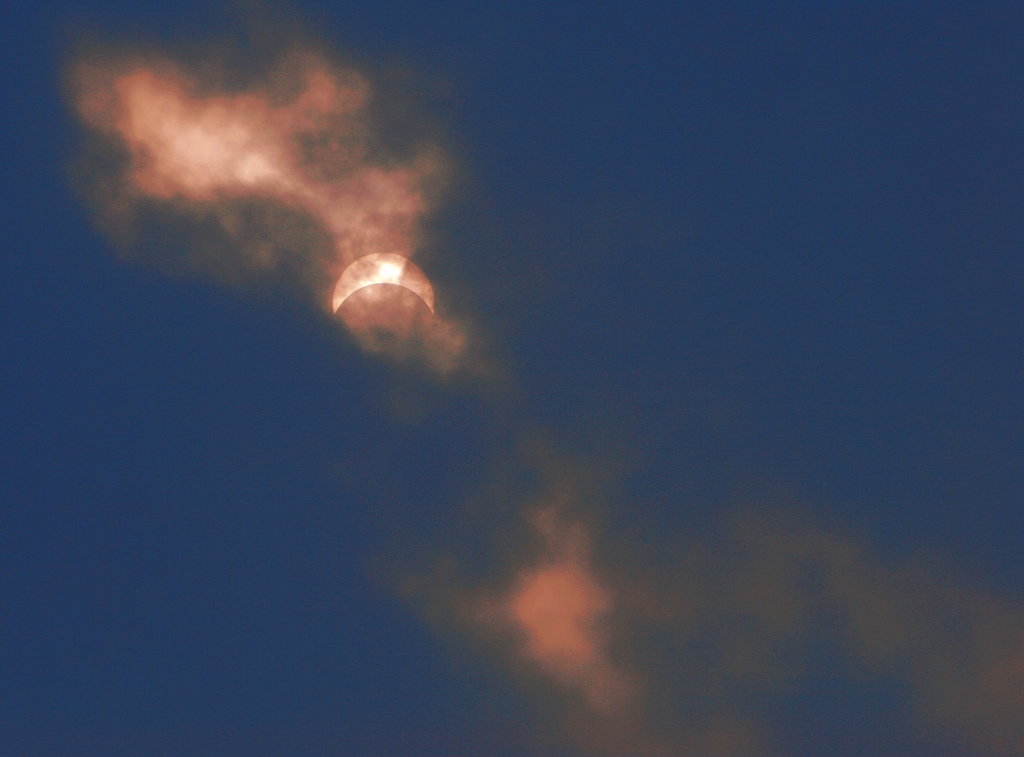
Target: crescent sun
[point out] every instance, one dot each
(383, 268)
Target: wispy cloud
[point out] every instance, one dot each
(683, 644)
(279, 171)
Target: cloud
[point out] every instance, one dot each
(557, 610)
(543, 596)
(275, 172)
(690, 644)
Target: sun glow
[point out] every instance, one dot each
(383, 268)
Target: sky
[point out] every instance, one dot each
(696, 429)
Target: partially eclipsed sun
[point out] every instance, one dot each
(383, 268)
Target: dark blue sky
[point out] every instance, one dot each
(772, 249)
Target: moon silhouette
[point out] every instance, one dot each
(383, 268)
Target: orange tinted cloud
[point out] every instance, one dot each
(686, 644)
(569, 621)
(561, 612)
(299, 141)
